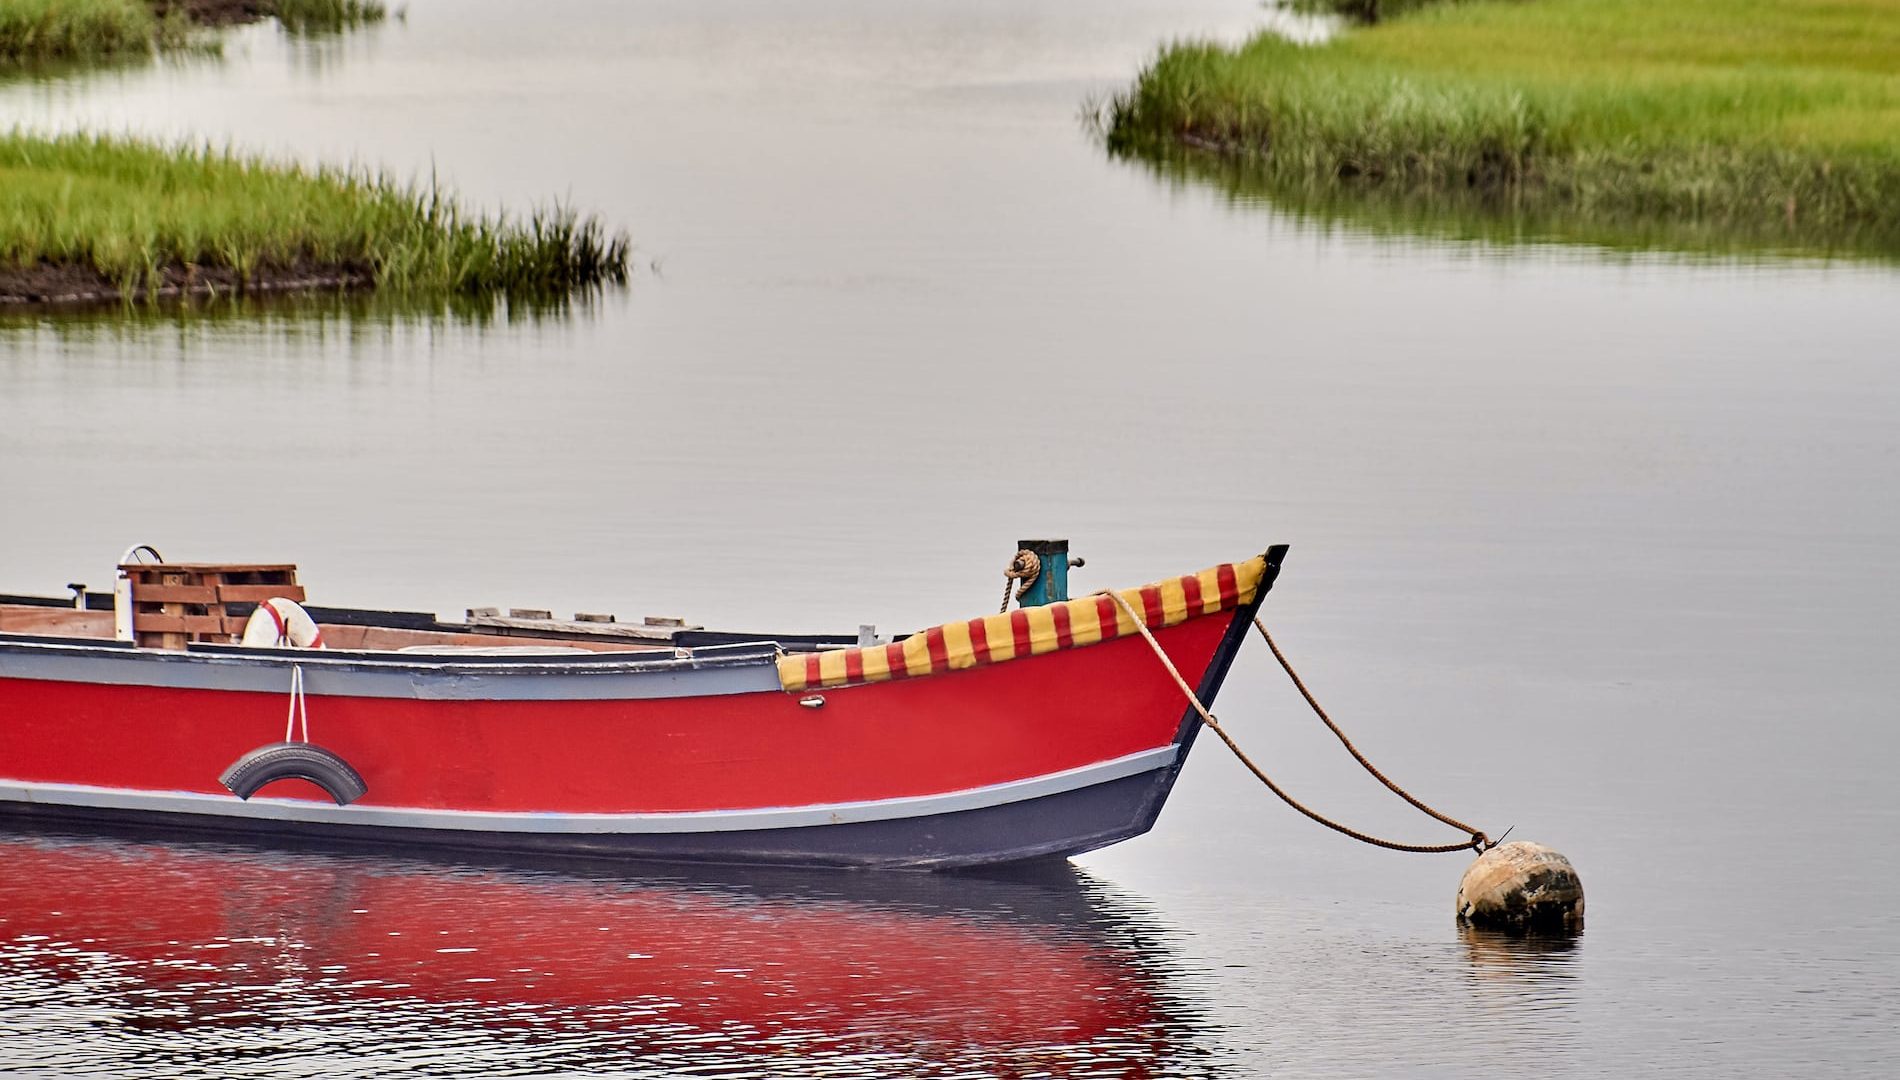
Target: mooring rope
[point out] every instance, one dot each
(1479, 841)
(1476, 834)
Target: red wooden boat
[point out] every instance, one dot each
(1037, 733)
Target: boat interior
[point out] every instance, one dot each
(178, 605)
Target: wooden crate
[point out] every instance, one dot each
(176, 603)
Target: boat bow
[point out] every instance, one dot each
(1034, 631)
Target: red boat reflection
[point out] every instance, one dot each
(921, 965)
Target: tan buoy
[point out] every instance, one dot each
(1521, 886)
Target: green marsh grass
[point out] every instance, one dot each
(1773, 120)
(54, 30)
(139, 216)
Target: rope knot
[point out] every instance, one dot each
(1024, 569)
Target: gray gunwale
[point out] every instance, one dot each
(749, 668)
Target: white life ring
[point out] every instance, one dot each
(280, 623)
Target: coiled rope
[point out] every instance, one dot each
(1479, 842)
(1024, 569)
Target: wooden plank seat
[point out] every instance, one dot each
(174, 604)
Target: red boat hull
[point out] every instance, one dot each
(725, 752)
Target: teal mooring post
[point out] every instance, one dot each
(1053, 583)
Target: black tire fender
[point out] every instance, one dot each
(300, 761)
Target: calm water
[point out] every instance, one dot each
(1597, 546)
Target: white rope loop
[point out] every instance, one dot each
(299, 710)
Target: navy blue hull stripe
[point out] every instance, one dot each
(1050, 826)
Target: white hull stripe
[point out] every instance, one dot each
(784, 817)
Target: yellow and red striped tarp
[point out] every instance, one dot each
(1031, 631)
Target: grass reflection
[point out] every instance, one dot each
(1501, 222)
(305, 316)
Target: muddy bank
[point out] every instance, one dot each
(215, 12)
(48, 283)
